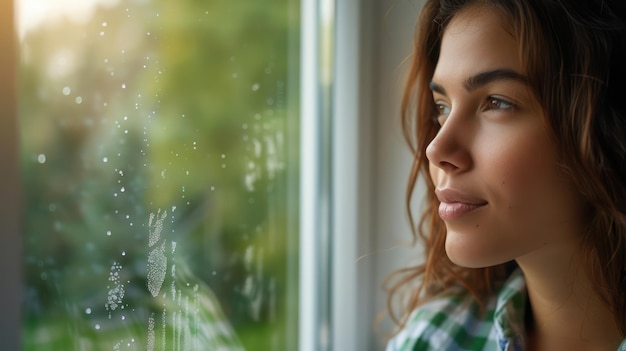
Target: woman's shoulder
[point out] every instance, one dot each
(457, 321)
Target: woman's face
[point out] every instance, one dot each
(493, 162)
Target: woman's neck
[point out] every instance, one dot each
(567, 313)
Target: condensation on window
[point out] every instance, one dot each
(159, 167)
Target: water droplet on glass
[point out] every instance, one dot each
(102, 33)
(123, 253)
(212, 187)
(41, 158)
(88, 310)
(157, 265)
(104, 24)
(255, 86)
(79, 100)
(67, 91)
(123, 189)
(108, 233)
(97, 326)
(105, 159)
(123, 85)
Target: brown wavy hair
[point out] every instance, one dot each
(574, 53)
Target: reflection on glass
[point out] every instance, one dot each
(158, 147)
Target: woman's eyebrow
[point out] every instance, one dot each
(437, 88)
(483, 78)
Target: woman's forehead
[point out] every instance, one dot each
(475, 40)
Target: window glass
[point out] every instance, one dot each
(159, 146)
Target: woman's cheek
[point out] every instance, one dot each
(519, 171)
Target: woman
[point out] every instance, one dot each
(515, 113)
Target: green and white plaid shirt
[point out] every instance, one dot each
(454, 322)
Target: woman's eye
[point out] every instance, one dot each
(493, 103)
(443, 111)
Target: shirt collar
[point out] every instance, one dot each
(509, 313)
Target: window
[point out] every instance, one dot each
(204, 149)
(159, 159)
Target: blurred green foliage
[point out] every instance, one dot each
(181, 107)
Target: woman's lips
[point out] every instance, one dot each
(455, 204)
(453, 210)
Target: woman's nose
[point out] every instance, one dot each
(450, 149)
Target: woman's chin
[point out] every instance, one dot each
(474, 256)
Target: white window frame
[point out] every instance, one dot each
(354, 226)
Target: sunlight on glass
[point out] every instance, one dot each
(159, 157)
